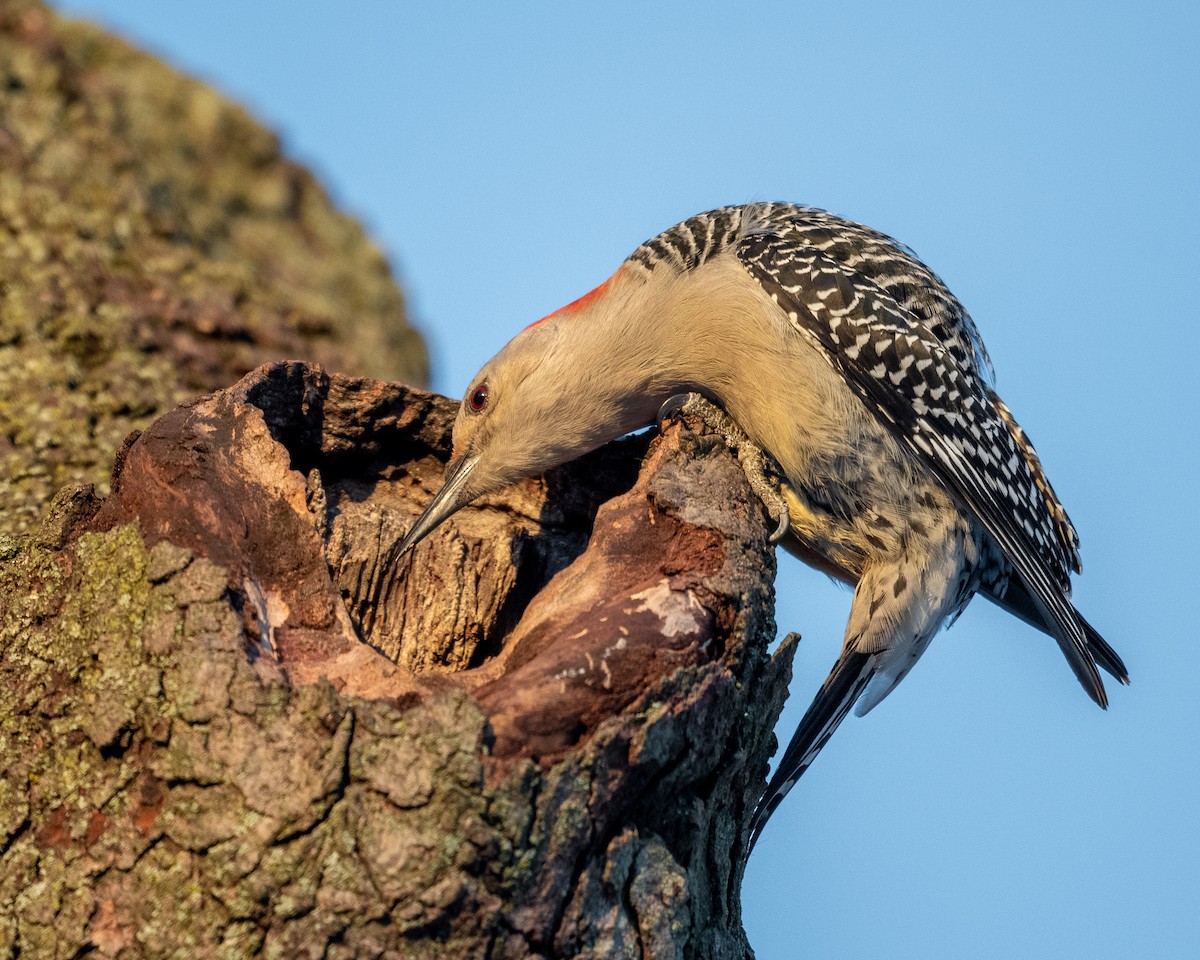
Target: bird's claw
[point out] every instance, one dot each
(761, 472)
(671, 406)
(785, 522)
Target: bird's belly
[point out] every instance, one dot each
(857, 495)
(852, 503)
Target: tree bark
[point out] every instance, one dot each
(234, 724)
(231, 722)
(154, 245)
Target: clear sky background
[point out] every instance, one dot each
(1043, 158)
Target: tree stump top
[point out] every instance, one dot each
(235, 721)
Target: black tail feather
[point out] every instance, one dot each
(1105, 656)
(1018, 601)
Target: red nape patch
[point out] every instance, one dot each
(583, 302)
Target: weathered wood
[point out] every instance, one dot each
(232, 723)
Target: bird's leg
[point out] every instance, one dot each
(762, 472)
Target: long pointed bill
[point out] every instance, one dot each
(447, 501)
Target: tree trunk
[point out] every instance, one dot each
(154, 245)
(233, 722)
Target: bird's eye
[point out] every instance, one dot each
(477, 399)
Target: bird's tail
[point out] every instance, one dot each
(838, 694)
(1017, 600)
(1106, 656)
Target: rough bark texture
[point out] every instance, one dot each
(231, 723)
(545, 747)
(154, 245)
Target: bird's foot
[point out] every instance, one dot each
(762, 472)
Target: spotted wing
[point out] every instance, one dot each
(928, 391)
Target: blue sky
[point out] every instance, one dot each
(1042, 158)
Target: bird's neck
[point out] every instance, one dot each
(714, 331)
(699, 331)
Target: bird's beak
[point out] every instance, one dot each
(447, 501)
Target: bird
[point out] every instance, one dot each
(842, 356)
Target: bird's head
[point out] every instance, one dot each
(559, 389)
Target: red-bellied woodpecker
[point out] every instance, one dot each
(846, 359)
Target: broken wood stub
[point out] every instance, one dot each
(537, 735)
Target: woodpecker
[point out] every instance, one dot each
(846, 359)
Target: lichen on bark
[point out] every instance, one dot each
(178, 806)
(154, 245)
(232, 724)
(206, 759)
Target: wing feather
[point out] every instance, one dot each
(916, 375)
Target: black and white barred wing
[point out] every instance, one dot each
(934, 402)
